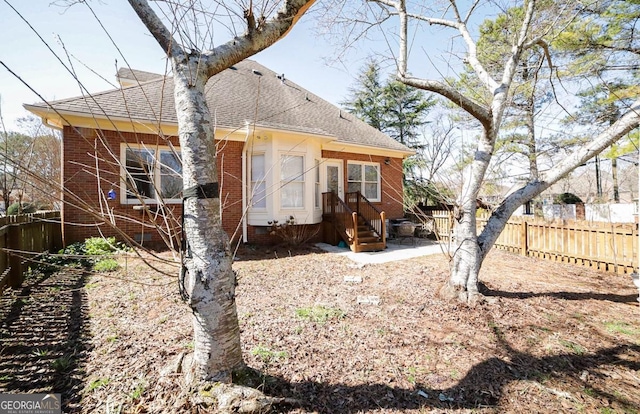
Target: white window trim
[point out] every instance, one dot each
(317, 184)
(303, 180)
(362, 181)
(251, 188)
(156, 174)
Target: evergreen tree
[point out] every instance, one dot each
(399, 111)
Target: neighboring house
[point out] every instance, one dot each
(280, 151)
(582, 182)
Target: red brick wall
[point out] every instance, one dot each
(91, 163)
(82, 213)
(257, 235)
(390, 177)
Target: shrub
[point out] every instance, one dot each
(106, 265)
(83, 254)
(98, 246)
(290, 233)
(27, 208)
(567, 198)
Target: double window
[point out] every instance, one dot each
(364, 177)
(153, 174)
(292, 181)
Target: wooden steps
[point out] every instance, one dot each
(358, 223)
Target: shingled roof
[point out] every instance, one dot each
(128, 77)
(246, 93)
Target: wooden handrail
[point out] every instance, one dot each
(341, 215)
(354, 221)
(346, 216)
(370, 213)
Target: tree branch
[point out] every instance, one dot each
(628, 122)
(516, 51)
(478, 111)
(157, 28)
(242, 47)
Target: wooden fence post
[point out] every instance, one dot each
(15, 261)
(524, 241)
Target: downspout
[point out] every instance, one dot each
(245, 211)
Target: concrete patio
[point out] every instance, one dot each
(396, 250)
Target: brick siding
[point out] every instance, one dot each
(391, 180)
(91, 169)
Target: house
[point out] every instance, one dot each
(282, 152)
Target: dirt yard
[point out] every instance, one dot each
(550, 338)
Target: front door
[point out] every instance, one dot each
(333, 177)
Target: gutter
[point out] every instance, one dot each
(245, 211)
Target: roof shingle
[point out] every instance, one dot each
(236, 96)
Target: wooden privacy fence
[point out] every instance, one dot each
(612, 247)
(22, 238)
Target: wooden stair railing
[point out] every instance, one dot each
(340, 215)
(362, 228)
(372, 217)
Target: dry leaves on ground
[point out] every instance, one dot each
(550, 338)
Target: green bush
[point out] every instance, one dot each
(106, 265)
(85, 255)
(27, 208)
(567, 198)
(98, 246)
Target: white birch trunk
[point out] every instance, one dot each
(210, 283)
(467, 257)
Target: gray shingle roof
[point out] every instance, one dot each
(236, 96)
(136, 75)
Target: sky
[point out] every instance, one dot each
(301, 56)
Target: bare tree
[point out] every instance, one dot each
(35, 149)
(487, 106)
(210, 281)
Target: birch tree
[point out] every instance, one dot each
(487, 107)
(209, 280)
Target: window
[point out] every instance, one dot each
(291, 181)
(317, 195)
(364, 177)
(153, 174)
(258, 184)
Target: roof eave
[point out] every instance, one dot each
(342, 146)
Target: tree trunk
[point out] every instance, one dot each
(467, 255)
(466, 261)
(210, 282)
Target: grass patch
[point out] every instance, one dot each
(106, 265)
(621, 327)
(267, 355)
(98, 383)
(62, 364)
(319, 314)
(411, 375)
(137, 391)
(573, 347)
(499, 334)
(40, 353)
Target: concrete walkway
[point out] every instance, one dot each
(395, 251)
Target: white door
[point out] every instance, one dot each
(333, 177)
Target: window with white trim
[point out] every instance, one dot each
(316, 195)
(364, 177)
(153, 174)
(258, 184)
(291, 181)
